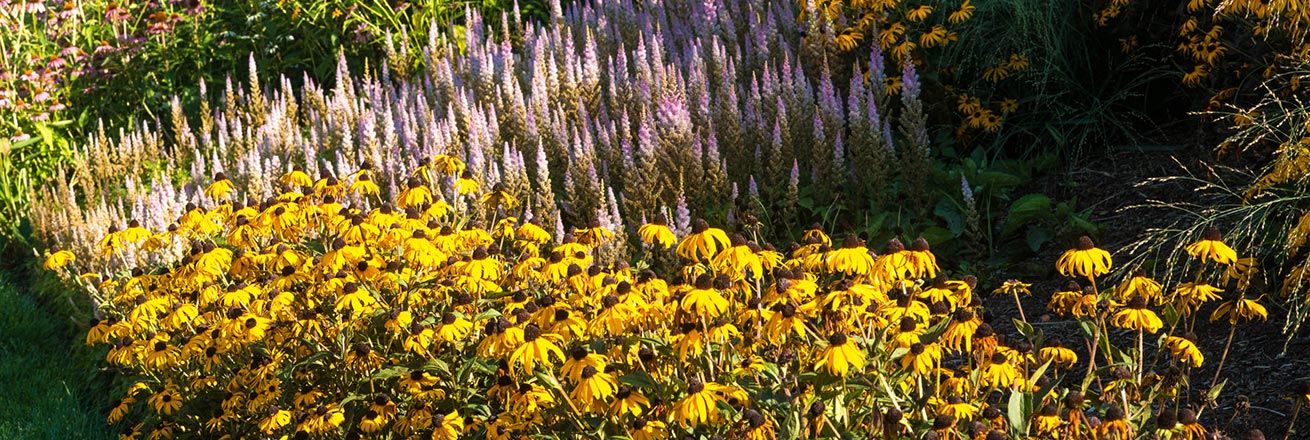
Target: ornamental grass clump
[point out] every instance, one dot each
(298, 314)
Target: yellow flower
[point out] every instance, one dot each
(841, 356)
(594, 235)
(643, 429)
(956, 407)
(657, 233)
(296, 177)
(536, 348)
(532, 232)
(922, 359)
(365, 186)
(919, 13)
(221, 189)
(999, 372)
(962, 15)
(1139, 285)
(1185, 350)
(465, 184)
(1211, 247)
(594, 387)
(923, 264)
(698, 408)
(704, 301)
(499, 197)
(59, 259)
(959, 333)
(703, 242)
(1086, 260)
(627, 402)
(1137, 317)
(167, 401)
(852, 259)
(1240, 310)
(1013, 287)
(1057, 355)
(1188, 297)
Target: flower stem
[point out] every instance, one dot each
(1295, 413)
(1020, 305)
(1224, 357)
(1141, 358)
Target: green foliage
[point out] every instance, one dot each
(1080, 94)
(60, 399)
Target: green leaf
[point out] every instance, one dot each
(1028, 208)
(1014, 411)
(489, 314)
(949, 212)
(1037, 236)
(640, 379)
(1213, 394)
(937, 235)
(996, 180)
(1024, 328)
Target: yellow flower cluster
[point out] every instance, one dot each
(300, 316)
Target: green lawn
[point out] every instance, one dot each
(47, 386)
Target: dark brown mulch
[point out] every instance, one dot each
(1263, 364)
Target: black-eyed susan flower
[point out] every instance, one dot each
(698, 407)
(841, 356)
(119, 408)
(221, 189)
(922, 262)
(643, 429)
(922, 359)
(593, 389)
(1192, 429)
(274, 419)
(758, 427)
(703, 242)
(999, 372)
(1184, 349)
(466, 184)
(852, 259)
(1115, 425)
(1084, 260)
(535, 349)
(498, 198)
(365, 186)
(1137, 317)
(628, 402)
(1062, 301)
(704, 301)
(453, 328)
(1212, 248)
(1139, 285)
(594, 234)
(1059, 356)
(166, 401)
(532, 232)
(58, 260)
(959, 332)
(1240, 309)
